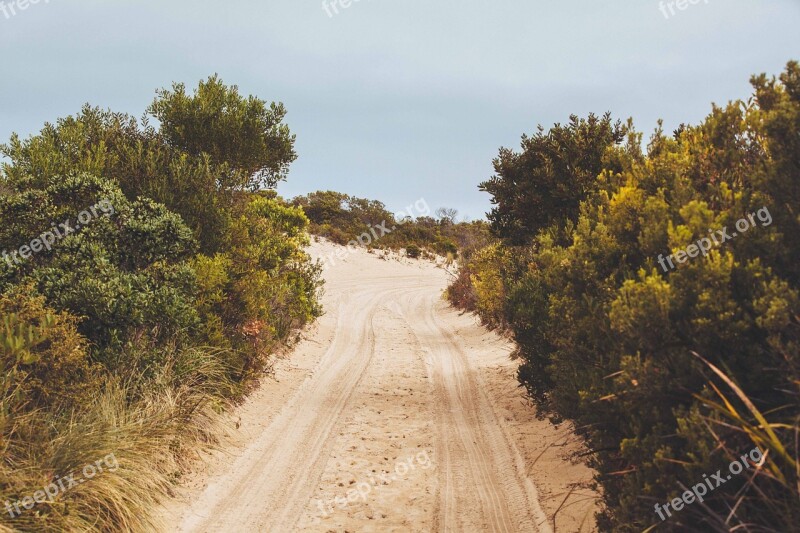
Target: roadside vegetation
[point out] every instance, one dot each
(132, 334)
(342, 219)
(671, 374)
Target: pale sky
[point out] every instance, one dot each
(397, 100)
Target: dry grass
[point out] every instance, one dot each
(152, 428)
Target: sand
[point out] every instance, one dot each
(393, 413)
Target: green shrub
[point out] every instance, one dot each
(610, 339)
(131, 335)
(413, 251)
(344, 219)
(124, 274)
(43, 358)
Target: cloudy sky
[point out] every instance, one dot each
(397, 99)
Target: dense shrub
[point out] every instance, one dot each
(546, 182)
(413, 251)
(123, 273)
(461, 292)
(245, 135)
(671, 373)
(131, 333)
(344, 219)
(43, 358)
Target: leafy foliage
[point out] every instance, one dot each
(608, 337)
(545, 183)
(244, 134)
(131, 333)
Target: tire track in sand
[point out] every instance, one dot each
(479, 484)
(268, 486)
(473, 449)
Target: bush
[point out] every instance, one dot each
(123, 272)
(132, 334)
(43, 358)
(461, 293)
(344, 219)
(672, 373)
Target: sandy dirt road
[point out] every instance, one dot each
(395, 413)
